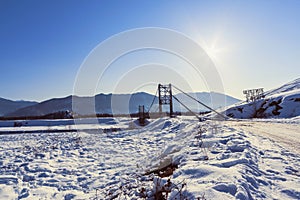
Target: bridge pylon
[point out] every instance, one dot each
(165, 97)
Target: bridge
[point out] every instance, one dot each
(165, 97)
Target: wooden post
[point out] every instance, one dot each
(170, 100)
(159, 99)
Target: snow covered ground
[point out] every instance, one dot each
(247, 159)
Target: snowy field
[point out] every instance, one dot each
(246, 159)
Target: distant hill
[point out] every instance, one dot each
(8, 106)
(117, 104)
(44, 108)
(281, 102)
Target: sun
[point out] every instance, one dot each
(216, 44)
(215, 49)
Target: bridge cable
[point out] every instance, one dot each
(152, 101)
(186, 107)
(223, 116)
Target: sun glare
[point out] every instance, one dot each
(215, 48)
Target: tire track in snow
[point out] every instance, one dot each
(286, 135)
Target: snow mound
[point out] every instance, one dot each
(282, 102)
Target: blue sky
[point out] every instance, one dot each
(43, 43)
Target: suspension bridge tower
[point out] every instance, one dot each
(165, 97)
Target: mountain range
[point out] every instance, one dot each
(112, 104)
(9, 106)
(281, 102)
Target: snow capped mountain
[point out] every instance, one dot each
(7, 106)
(281, 102)
(118, 104)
